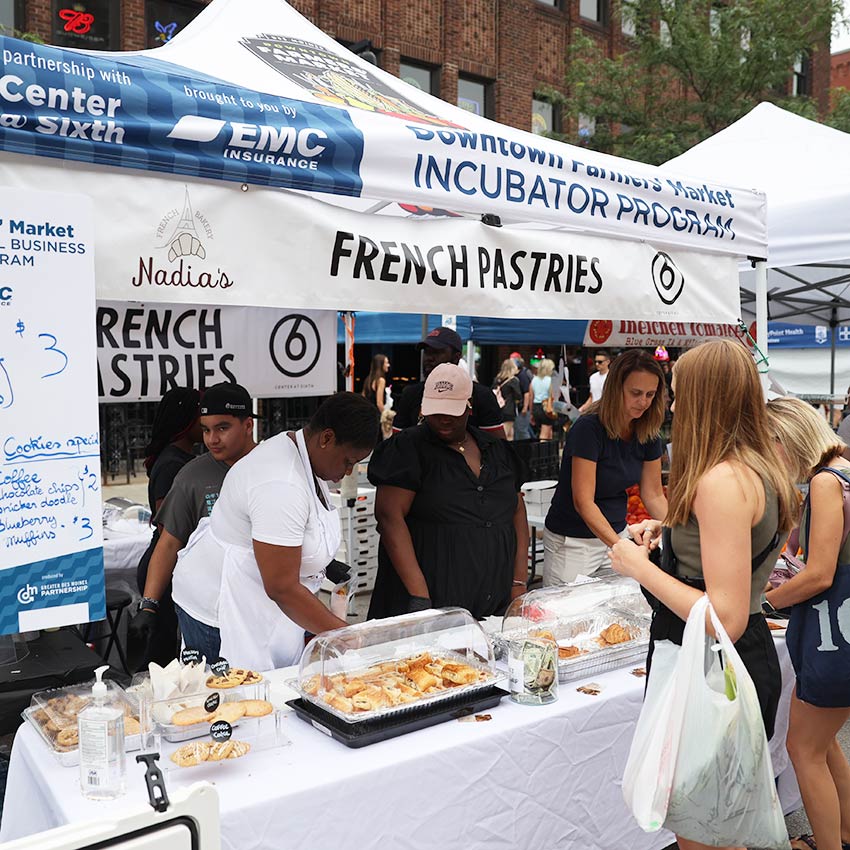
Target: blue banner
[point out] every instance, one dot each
(159, 117)
(785, 335)
(53, 592)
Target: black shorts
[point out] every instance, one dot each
(755, 646)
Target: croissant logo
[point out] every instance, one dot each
(180, 240)
(669, 281)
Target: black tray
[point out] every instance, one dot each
(367, 732)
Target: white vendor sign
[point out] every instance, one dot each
(143, 350)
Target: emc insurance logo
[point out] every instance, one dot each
(5, 296)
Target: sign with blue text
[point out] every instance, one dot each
(51, 538)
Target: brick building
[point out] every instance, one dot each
(492, 57)
(840, 67)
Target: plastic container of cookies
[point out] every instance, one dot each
(398, 665)
(217, 742)
(53, 714)
(599, 625)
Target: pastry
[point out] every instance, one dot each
(422, 679)
(69, 738)
(233, 679)
(229, 711)
(249, 676)
(340, 703)
(240, 748)
(568, 651)
(353, 687)
(191, 754)
(257, 707)
(460, 674)
(613, 635)
(132, 726)
(190, 716)
(220, 750)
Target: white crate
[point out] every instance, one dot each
(539, 493)
(363, 547)
(365, 500)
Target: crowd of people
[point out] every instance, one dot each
(242, 579)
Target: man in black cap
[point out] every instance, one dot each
(227, 423)
(443, 345)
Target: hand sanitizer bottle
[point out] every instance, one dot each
(101, 732)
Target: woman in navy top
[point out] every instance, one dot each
(614, 446)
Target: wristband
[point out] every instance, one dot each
(147, 602)
(766, 605)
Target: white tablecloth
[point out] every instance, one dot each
(532, 778)
(121, 556)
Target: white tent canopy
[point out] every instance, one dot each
(253, 160)
(804, 168)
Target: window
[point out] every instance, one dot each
(92, 25)
(420, 77)
(475, 96)
(801, 83)
(8, 20)
(165, 19)
(592, 10)
(544, 117)
(628, 22)
(555, 3)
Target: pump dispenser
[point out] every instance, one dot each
(101, 732)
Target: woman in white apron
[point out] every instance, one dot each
(278, 530)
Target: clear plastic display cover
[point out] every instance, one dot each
(396, 665)
(599, 625)
(53, 714)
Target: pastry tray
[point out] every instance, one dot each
(71, 757)
(382, 728)
(581, 631)
(408, 708)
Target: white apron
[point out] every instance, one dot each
(255, 633)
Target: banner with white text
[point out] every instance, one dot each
(51, 533)
(253, 93)
(144, 350)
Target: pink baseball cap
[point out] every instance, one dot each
(447, 390)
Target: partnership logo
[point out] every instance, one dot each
(27, 594)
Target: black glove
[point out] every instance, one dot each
(418, 603)
(337, 572)
(140, 632)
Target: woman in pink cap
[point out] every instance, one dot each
(450, 514)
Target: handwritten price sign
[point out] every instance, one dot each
(51, 534)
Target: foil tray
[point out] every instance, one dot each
(411, 708)
(71, 757)
(582, 631)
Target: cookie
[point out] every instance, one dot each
(233, 679)
(229, 711)
(132, 726)
(257, 707)
(69, 738)
(190, 755)
(250, 677)
(240, 748)
(190, 716)
(221, 750)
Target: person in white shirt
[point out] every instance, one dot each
(597, 380)
(278, 530)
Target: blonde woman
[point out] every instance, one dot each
(614, 446)
(539, 391)
(730, 507)
(818, 633)
(507, 384)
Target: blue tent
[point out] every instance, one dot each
(387, 328)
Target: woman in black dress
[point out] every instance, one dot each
(449, 509)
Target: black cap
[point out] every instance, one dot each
(226, 399)
(442, 338)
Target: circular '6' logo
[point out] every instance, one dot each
(667, 278)
(295, 345)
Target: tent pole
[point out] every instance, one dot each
(348, 319)
(761, 317)
(422, 352)
(470, 358)
(833, 326)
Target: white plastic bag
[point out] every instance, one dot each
(722, 792)
(648, 778)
